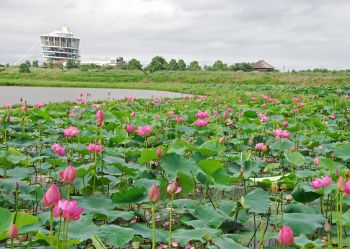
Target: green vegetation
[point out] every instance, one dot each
(198, 82)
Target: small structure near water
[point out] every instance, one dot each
(263, 66)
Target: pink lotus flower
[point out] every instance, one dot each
(229, 110)
(201, 122)
(173, 188)
(72, 131)
(69, 174)
(263, 106)
(52, 196)
(286, 236)
(8, 105)
(39, 105)
(129, 128)
(281, 134)
(154, 193)
(332, 116)
(225, 115)
(253, 98)
(157, 101)
(94, 148)
(100, 116)
(201, 114)
(230, 123)
(347, 188)
(270, 100)
(285, 123)
(301, 104)
(295, 99)
(130, 99)
(264, 97)
(263, 118)
(58, 149)
(133, 114)
(13, 231)
(144, 131)
(260, 146)
(325, 181)
(24, 108)
(317, 161)
(178, 119)
(316, 184)
(68, 210)
(171, 112)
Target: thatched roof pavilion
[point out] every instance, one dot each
(263, 66)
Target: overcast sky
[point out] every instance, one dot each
(294, 33)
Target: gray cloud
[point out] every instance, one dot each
(295, 33)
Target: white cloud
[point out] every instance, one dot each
(294, 33)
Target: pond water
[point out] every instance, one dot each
(33, 95)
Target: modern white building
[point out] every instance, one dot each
(59, 46)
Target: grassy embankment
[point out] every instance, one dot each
(202, 82)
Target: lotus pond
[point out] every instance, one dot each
(253, 170)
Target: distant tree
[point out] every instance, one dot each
(219, 66)
(134, 64)
(70, 64)
(35, 63)
(208, 68)
(24, 68)
(181, 65)
(7, 65)
(28, 63)
(173, 65)
(158, 63)
(194, 66)
(243, 66)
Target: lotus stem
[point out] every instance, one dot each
(153, 226)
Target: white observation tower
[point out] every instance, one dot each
(59, 46)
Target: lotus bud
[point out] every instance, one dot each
(317, 161)
(159, 152)
(250, 142)
(293, 148)
(8, 119)
(17, 186)
(341, 184)
(327, 227)
(154, 194)
(286, 236)
(223, 140)
(274, 187)
(289, 198)
(52, 196)
(13, 231)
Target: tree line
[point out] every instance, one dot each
(158, 63)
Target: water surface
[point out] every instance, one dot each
(33, 95)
